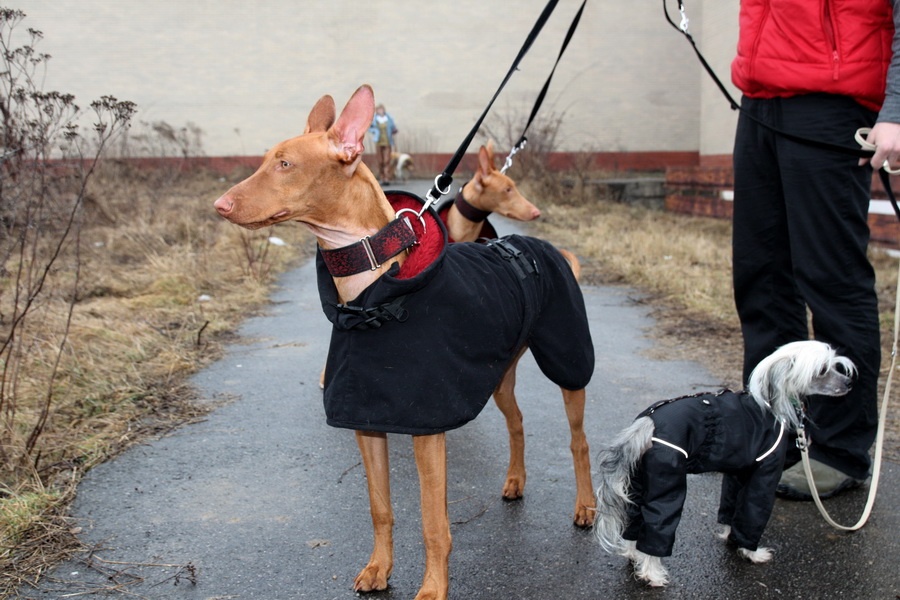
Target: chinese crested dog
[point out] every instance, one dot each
(643, 474)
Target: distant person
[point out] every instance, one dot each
(819, 70)
(383, 130)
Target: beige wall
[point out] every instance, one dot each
(248, 72)
(717, 39)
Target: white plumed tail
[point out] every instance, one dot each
(615, 464)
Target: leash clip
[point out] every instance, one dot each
(515, 149)
(684, 19)
(430, 198)
(802, 442)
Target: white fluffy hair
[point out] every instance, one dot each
(792, 372)
(647, 568)
(758, 556)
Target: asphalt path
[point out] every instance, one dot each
(262, 500)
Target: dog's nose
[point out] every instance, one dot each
(224, 205)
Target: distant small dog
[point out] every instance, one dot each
(643, 474)
(403, 165)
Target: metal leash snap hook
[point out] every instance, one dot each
(802, 443)
(684, 18)
(429, 200)
(418, 215)
(515, 149)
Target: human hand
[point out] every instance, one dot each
(886, 139)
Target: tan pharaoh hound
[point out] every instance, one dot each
(491, 191)
(319, 180)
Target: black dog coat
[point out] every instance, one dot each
(725, 432)
(422, 355)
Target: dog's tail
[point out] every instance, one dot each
(615, 467)
(573, 261)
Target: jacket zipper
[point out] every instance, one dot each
(829, 35)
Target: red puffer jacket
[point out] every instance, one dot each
(791, 47)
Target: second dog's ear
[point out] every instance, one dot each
(485, 161)
(348, 132)
(321, 117)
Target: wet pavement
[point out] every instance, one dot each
(262, 500)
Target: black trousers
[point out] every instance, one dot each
(799, 241)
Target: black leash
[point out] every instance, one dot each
(543, 93)
(443, 181)
(682, 28)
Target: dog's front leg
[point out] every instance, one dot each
(431, 461)
(374, 449)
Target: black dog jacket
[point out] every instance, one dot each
(725, 432)
(422, 354)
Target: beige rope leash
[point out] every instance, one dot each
(865, 131)
(803, 442)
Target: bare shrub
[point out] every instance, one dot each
(47, 161)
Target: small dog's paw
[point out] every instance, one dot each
(760, 555)
(650, 569)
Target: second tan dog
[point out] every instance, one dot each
(491, 191)
(396, 315)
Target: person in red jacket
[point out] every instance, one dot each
(818, 69)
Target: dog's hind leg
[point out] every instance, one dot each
(374, 450)
(585, 501)
(431, 461)
(505, 397)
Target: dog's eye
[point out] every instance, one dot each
(285, 164)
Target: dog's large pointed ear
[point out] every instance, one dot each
(489, 148)
(348, 132)
(321, 117)
(485, 160)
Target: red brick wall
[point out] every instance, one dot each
(698, 191)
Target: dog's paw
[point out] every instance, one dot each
(373, 578)
(650, 569)
(514, 488)
(760, 555)
(584, 515)
(431, 594)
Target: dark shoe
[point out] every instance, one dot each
(829, 482)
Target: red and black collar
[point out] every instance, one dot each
(476, 215)
(370, 252)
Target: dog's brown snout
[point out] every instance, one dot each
(224, 205)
